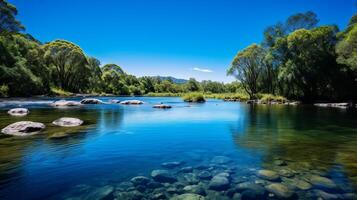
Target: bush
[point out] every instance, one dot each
(60, 92)
(4, 91)
(194, 97)
(267, 98)
(163, 94)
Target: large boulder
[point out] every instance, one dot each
(91, 101)
(131, 102)
(67, 122)
(23, 128)
(64, 103)
(18, 111)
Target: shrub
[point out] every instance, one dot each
(267, 98)
(194, 97)
(4, 91)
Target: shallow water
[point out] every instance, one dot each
(119, 142)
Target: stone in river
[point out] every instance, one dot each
(252, 190)
(322, 182)
(23, 128)
(163, 176)
(170, 165)
(91, 101)
(132, 102)
(195, 189)
(220, 160)
(219, 183)
(162, 106)
(64, 103)
(140, 180)
(99, 193)
(327, 196)
(188, 196)
(280, 190)
(18, 112)
(268, 175)
(67, 122)
(205, 175)
(189, 178)
(286, 173)
(186, 169)
(130, 195)
(279, 162)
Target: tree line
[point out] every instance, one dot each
(300, 60)
(28, 67)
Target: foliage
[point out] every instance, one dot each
(267, 98)
(194, 97)
(4, 91)
(8, 22)
(60, 92)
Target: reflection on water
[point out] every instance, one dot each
(313, 151)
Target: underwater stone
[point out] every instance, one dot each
(186, 169)
(220, 160)
(195, 189)
(140, 180)
(219, 183)
(204, 175)
(171, 165)
(268, 175)
(322, 182)
(163, 176)
(188, 196)
(280, 190)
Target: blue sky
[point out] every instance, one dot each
(181, 38)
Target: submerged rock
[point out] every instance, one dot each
(219, 183)
(171, 165)
(132, 102)
(205, 175)
(163, 176)
(91, 101)
(221, 160)
(140, 180)
(67, 122)
(186, 169)
(322, 182)
(64, 103)
(18, 112)
(130, 195)
(189, 178)
(23, 128)
(162, 106)
(268, 175)
(99, 193)
(188, 196)
(280, 190)
(195, 189)
(250, 190)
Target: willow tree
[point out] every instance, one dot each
(70, 69)
(247, 66)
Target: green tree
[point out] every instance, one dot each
(8, 22)
(247, 66)
(192, 85)
(69, 65)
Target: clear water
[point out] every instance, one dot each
(118, 142)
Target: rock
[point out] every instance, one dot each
(220, 160)
(237, 196)
(219, 183)
(349, 196)
(162, 106)
(171, 165)
(195, 189)
(286, 173)
(189, 178)
(64, 103)
(327, 196)
(124, 186)
(302, 185)
(186, 169)
(114, 101)
(100, 193)
(205, 175)
(140, 180)
(258, 190)
(163, 176)
(280, 190)
(132, 102)
(131, 195)
(23, 128)
(18, 112)
(159, 195)
(188, 196)
(268, 175)
(280, 162)
(67, 122)
(91, 101)
(322, 182)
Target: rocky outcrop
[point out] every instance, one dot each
(23, 128)
(64, 103)
(67, 122)
(18, 112)
(131, 102)
(91, 101)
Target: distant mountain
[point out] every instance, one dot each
(175, 80)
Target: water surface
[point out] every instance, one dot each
(119, 142)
